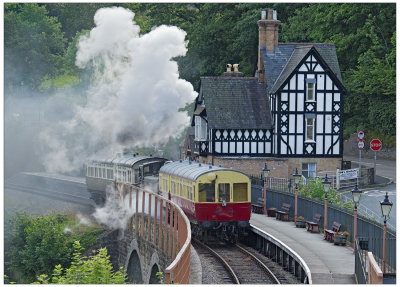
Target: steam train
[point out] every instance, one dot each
(216, 200)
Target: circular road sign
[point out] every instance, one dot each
(361, 145)
(375, 144)
(360, 134)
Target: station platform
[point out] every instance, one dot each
(328, 263)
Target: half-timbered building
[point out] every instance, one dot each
(289, 115)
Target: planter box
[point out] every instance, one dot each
(271, 212)
(300, 223)
(339, 239)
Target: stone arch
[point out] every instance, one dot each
(134, 268)
(153, 268)
(133, 264)
(153, 275)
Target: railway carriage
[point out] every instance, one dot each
(216, 200)
(131, 169)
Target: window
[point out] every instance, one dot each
(200, 128)
(240, 192)
(310, 129)
(207, 192)
(309, 170)
(224, 192)
(310, 92)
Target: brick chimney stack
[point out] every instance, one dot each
(268, 28)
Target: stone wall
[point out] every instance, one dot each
(121, 244)
(280, 167)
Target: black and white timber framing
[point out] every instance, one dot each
(309, 125)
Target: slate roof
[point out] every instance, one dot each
(286, 57)
(235, 103)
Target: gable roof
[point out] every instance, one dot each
(235, 103)
(280, 64)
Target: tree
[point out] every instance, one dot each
(96, 269)
(33, 45)
(38, 243)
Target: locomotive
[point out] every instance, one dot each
(216, 200)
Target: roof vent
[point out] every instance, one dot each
(209, 165)
(199, 164)
(219, 165)
(134, 155)
(180, 160)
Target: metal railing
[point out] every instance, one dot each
(160, 221)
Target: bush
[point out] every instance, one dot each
(38, 243)
(96, 269)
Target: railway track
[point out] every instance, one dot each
(236, 265)
(61, 196)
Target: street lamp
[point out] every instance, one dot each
(386, 206)
(356, 194)
(326, 185)
(265, 173)
(296, 181)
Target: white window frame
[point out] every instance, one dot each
(311, 171)
(309, 126)
(200, 128)
(308, 94)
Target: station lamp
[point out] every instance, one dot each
(386, 206)
(356, 194)
(296, 176)
(265, 171)
(326, 184)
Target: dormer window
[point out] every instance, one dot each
(310, 90)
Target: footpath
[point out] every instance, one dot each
(328, 263)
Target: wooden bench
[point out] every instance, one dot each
(283, 214)
(259, 206)
(313, 226)
(329, 233)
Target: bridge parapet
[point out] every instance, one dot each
(162, 223)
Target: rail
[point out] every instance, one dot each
(173, 234)
(281, 253)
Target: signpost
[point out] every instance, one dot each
(360, 146)
(375, 145)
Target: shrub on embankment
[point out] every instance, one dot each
(38, 243)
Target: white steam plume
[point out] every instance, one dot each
(135, 95)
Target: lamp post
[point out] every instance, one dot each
(265, 173)
(386, 206)
(356, 194)
(326, 185)
(296, 181)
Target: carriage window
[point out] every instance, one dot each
(224, 192)
(207, 192)
(240, 192)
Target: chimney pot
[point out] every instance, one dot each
(263, 15)
(236, 67)
(228, 68)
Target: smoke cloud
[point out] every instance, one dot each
(134, 97)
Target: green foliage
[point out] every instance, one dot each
(315, 190)
(33, 45)
(38, 243)
(96, 269)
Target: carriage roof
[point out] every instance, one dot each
(191, 170)
(129, 160)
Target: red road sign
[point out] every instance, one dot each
(360, 144)
(360, 134)
(375, 144)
